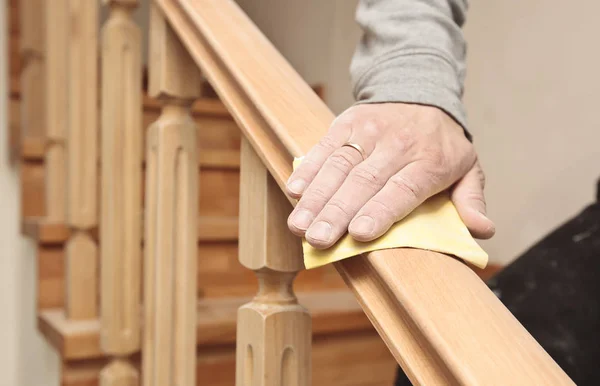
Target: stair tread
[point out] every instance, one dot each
(210, 228)
(332, 311)
(34, 150)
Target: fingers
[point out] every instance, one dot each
(312, 163)
(328, 180)
(338, 191)
(362, 183)
(469, 200)
(342, 130)
(402, 193)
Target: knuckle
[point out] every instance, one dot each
(339, 207)
(313, 200)
(341, 160)
(316, 195)
(372, 126)
(436, 158)
(367, 176)
(307, 167)
(312, 206)
(406, 186)
(434, 176)
(382, 210)
(401, 143)
(435, 170)
(475, 198)
(327, 143)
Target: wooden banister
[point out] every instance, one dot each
(82, 172)
(121, 182)
(273, 330)
(439, 320)
(170, 260)
(33, 72)
(57, 110)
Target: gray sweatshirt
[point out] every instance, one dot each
(411, 51)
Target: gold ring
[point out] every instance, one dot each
(358, 148)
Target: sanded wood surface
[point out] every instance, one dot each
(223, 283)
(170, 261)
(274, 330)
(121, 184)
(283, 118)
(82, 132)
(81, 289)
(33, 68)
(57, 110)
(333, 312)
(81, 276)
(210, 229)
(355, 358)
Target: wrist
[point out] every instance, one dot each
(413, 77)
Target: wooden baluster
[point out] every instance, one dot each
(33, 117)
(169, 351)
(82, 166)
(56, 109)
(121, 184)
(273, 331)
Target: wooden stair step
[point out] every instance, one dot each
(332, 312)
(34, 149)
(210, 228)
(358, 358)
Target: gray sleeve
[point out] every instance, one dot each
(411, 51)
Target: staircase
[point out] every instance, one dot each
(159, 251)
(223, 284)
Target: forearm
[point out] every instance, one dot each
(412, 51)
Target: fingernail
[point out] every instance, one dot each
(321, 231)
(363, 225)
(302, 219)
(297, 186)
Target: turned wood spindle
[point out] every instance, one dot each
(169, 348)
(121, 184)
(82, 161)
(33, 47)
(57, 110)
(273, 331)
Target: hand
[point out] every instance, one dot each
(412, 152)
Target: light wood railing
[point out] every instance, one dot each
(437, 317)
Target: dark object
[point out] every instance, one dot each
(554, 291)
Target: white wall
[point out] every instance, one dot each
(532, 91)
(317, 37)
(25, 358)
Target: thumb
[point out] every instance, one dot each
(469, 201)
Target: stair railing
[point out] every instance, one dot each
(439, 320)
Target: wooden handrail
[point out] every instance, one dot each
(443, 325)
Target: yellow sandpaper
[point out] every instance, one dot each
(435, 225)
